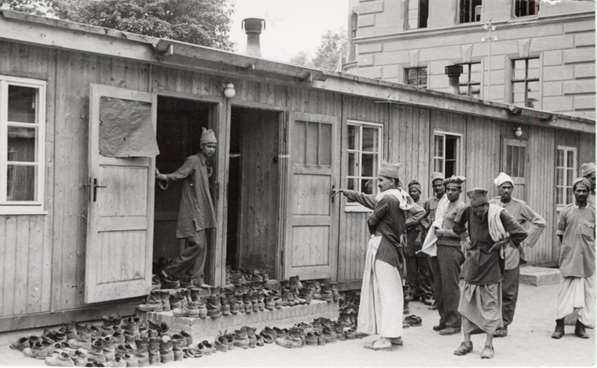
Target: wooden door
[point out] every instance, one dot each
(312, 224)
(121, 193)
(515, 164)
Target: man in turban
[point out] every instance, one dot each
(587, 170)
(418, 276)
(576, 231)
(196, 214)
(490, 228)
(534, 225)
(380, 308)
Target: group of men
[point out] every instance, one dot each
(464, 258)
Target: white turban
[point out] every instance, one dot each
(502, 178)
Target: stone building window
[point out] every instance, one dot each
(565, 174)
(523, 8)
(525, 82)
(470, 80)
(416, 76)
(470, 11)
(423, 13)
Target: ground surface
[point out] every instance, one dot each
(529, 344)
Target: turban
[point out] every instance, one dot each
(416, 185)
(208, 136)
(437, 176)
(581, 181)
(587, 169)
(389, 170)
(478, 196)
(455, 180)
(502, 178)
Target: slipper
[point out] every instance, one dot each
(414, 320)
(379, 344)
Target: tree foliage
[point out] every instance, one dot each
(203, 22)
(328, 55)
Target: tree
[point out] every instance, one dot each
(329, 54)
(203, 22)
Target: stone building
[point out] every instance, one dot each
(534, 53)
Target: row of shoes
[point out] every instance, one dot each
(244, 277)
(319, 332)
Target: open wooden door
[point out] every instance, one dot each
(312, 224)
(121, 193)
(515, 164)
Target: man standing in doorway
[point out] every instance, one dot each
(430, 206)
(576, 231)
(587, 171)
(196, 213)
(490, 228)
(534, 225)
(449, 257)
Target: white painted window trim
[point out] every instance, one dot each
(567, 150)
(457, 150)
(23, 207)
(353, 206)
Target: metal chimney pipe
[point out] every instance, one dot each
(253, 28)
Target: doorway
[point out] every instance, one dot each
(253, 190)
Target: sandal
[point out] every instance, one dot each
(379, 344)
(464, 348)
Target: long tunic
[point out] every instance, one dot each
(530, 220)
(196, 211)
(482, 266)
(576, 225)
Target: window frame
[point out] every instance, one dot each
(526, 80)
(469, 84)
(567, 150)
(354, 206)
(418, 68)
(457, 150)
(458, 18)
(537, 7)
(23, 207)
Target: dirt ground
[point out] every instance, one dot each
(528, 344)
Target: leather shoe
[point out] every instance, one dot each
(439, 327)
(464, 348)
(580, 330)
(559, 331)
(449, 331)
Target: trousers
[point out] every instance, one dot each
(191, 261)
(509, 294)
(445, 269)
(418, 275)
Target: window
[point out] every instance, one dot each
(522, 8)
(470, 80)
(22, 103)
(364, 153)
(445, 153)
(565, 174)
(525, 82)
(416, 76)
(423, 13)
(470, 11)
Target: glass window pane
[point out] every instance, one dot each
(521, 159)
(570, 159)
(353, 167)
(311, 144)
(438, 146)
(21, 144)
(518, 69)
(370, 136)
(368, 186)
(450, 168)
(21, 104)
(351, 184)
(532, 94)
(560, 158)
(369, 164)
(569, 177)
(559, 177)
(352, 136)
(518, 93)
(325, 144)
(20, 183)
(438, 165)
(569, 196)
(533, 71)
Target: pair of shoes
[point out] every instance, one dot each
(379, 344)
(464, 348)
(449, 331)
(559, 331)
(487, 352)
(501, 332)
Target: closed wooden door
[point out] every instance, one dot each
(121, 191)
(515, 164)
(312, 223)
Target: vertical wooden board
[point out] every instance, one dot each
(35, 269)
(10, 265)
(3, 255)
(22, 260)
(483, 153)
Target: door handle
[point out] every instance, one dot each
(95, 186)
(333, 193)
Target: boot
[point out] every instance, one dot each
(580, 331)
(559, 331)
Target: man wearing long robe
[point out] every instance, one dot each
(380, 308)
(196, 213)
(490, 227)
(534, 225)
(576, 231)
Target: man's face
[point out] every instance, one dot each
(453, 192)
(480, 210)
(209, 149)
(438, 187)
(591, 178)
(505, 191)
(384, 183)
(414, 194)
(581, 193)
